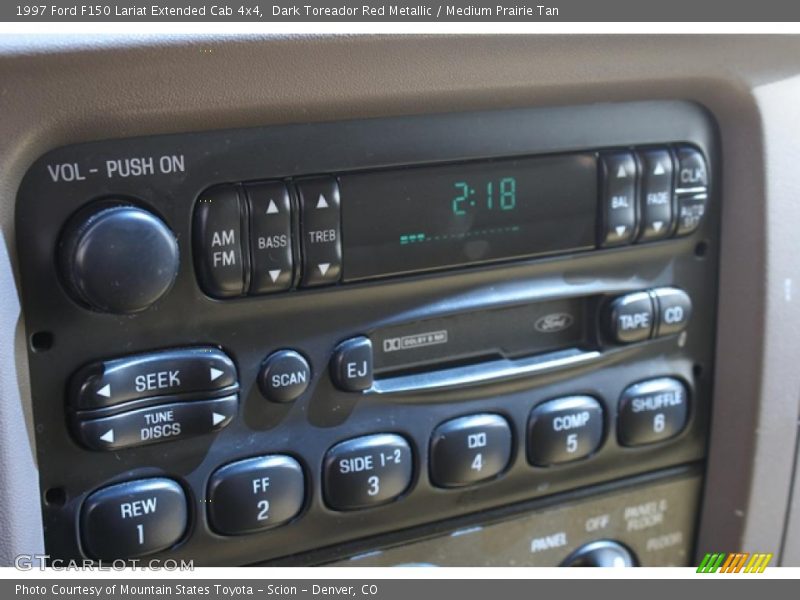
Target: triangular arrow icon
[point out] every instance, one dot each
(620, 229)
(272, 208)
(621, 172)
(215, 373)
(108, 436)
(105, 391)
(217, 418)
(659, 170)
(657, 225)
(323, 268)
(274, 275)
(322, 203)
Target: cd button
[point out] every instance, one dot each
(674, 311)
(618, 209)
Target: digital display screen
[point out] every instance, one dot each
(421, 219)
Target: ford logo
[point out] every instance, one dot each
(553, 322)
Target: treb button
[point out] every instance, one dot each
(218, 242)
(271, 261)
(618, 206)
(320, 225)
(133, 519)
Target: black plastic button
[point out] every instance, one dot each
(255, 494)
(367, 471)
(180, 371)
(161, 423)
(284, 376)
(618, 206)
(652, 411)
(564, 429)
(119, 259)
(469, 449)
(692, 171)
(320, 224)
(630, 318)
(271, 262)
(133, 519)
(691, 210)
(657, 194)
(674, 309)
(351, 365)
(218, 243)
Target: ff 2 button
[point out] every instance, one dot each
(255, 494)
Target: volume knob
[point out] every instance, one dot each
(118, 258)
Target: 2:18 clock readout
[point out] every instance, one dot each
(500, 195)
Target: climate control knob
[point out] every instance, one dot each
(602, 553)
(118, 258)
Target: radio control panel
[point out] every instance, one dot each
(291, 342)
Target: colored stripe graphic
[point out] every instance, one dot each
(734, 562)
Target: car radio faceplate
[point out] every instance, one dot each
(202, 355)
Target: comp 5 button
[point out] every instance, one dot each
(367, 471)
(564, 429)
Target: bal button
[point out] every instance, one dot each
(284, 376)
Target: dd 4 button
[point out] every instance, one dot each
(564, 429)
(255, 494)
(469, 449)
(367, 471)
(652, 411)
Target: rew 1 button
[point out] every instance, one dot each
(564, 429)
(367, 471)
(652, 411)
(469, 449)
(162, 423)
(284, 376)
(255, 494)
(133, 519)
